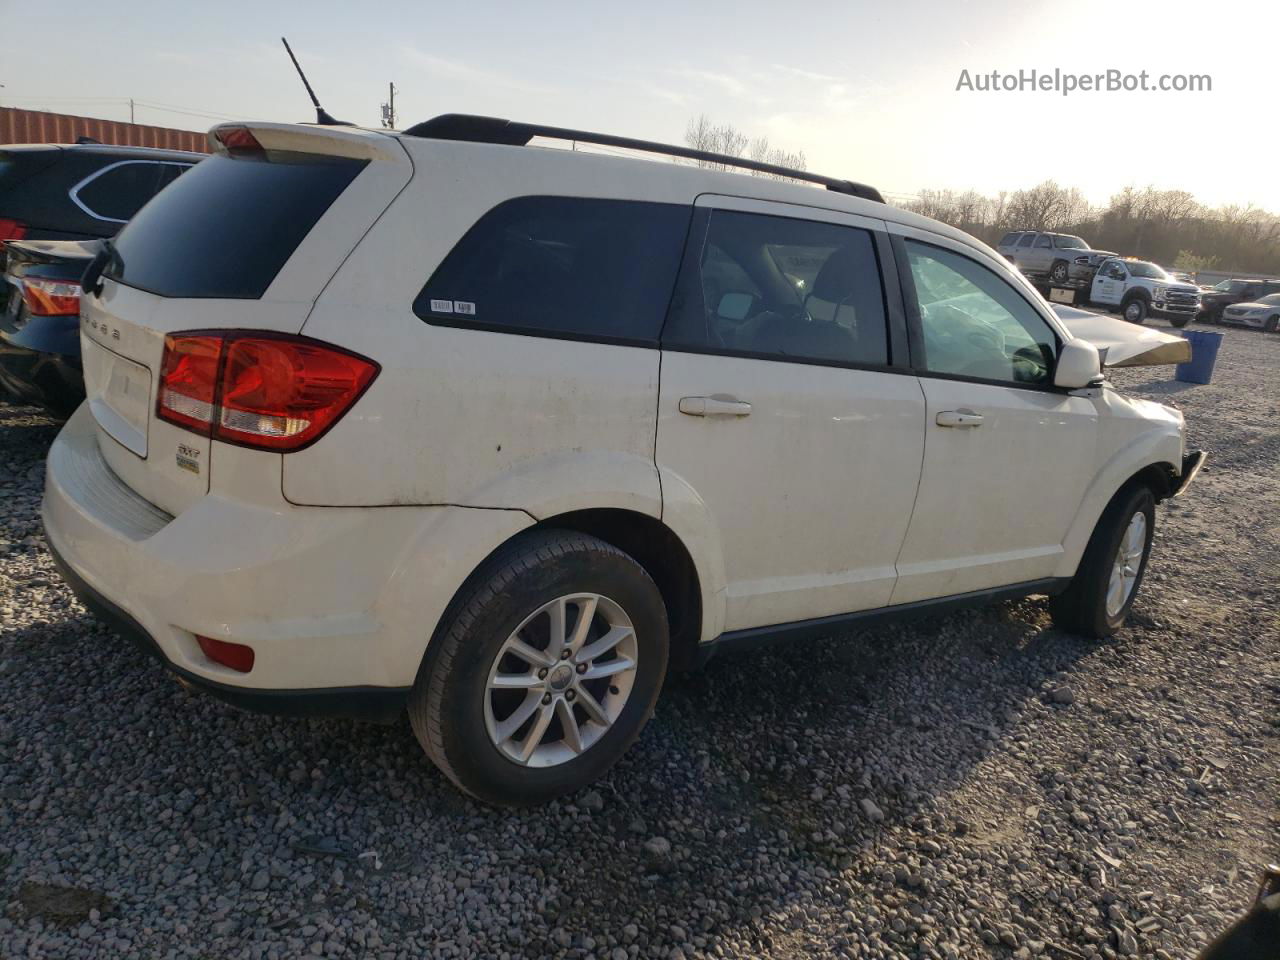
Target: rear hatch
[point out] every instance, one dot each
(245, 241)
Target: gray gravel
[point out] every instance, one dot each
(979, 785)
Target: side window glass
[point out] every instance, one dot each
(569, 266)
(781, 288)
(975, 324)
(119, 192)
(1044, 240)
(1027, 239)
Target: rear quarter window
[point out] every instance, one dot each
(572, 267)
(226, 228)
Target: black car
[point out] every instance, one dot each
(81, 191)
(40, 326)
(1213, 301)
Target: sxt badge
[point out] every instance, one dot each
(188, 458)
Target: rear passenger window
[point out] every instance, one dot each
(118, 192)
(562, 266)
(1044, 240)
(1027, 239)
(781, 289)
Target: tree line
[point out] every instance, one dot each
(1169, 227)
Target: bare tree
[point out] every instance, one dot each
(702, 134)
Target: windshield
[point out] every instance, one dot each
(1140, 268)
(1271, 299)
(1070, 243)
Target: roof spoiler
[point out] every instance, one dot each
(512, 133)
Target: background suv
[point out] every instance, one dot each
(493, 433)
(1059, 256)
(79, 191)
(1216, 300)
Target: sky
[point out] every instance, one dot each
(867, 90)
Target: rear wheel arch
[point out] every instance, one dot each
(648, 541)
(666, 559)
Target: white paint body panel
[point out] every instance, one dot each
(337, 562)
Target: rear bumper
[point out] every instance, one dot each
(1191, 464)
(378, 704)
(305, 587)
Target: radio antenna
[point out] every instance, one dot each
(322, 116)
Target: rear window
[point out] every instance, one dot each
(227, 227)
(562, 266)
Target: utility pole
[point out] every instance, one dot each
(131, 109)
(389, 108)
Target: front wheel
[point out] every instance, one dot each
(1058, 274)
(1135, 311)
(1099, 597)
(1272, 324)
(544, 672)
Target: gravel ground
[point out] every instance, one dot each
(979, 785)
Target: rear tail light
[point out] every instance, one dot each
(237, 656)
(51, 298)
(11, 229)
(266, 391)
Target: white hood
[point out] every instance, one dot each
(1124, 344)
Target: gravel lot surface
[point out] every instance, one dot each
(979, 785)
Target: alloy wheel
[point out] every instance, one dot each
(560, 680)
(1128, 561)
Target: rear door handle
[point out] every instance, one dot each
(964, 419)
(714, 407)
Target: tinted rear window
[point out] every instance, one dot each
(227, 227)
(562, 266)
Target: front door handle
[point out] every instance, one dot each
(964, 419)
(714, 407)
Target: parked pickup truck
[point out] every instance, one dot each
(1139, 288)
(1058, 256)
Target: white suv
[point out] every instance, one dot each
(499, 434)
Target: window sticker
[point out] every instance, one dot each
(442, 306)
(464, 307)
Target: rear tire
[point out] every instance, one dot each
(499, 655)
(1179, 320)
(1094, 604)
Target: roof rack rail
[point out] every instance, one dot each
(477, 129)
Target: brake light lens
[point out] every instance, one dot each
(188, 378)
(265, 391)
(51, 298)
(238, 140)
(11, 229)
(237, 656)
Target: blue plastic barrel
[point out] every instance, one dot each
(1204, 354)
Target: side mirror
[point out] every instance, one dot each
(1078, 365)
